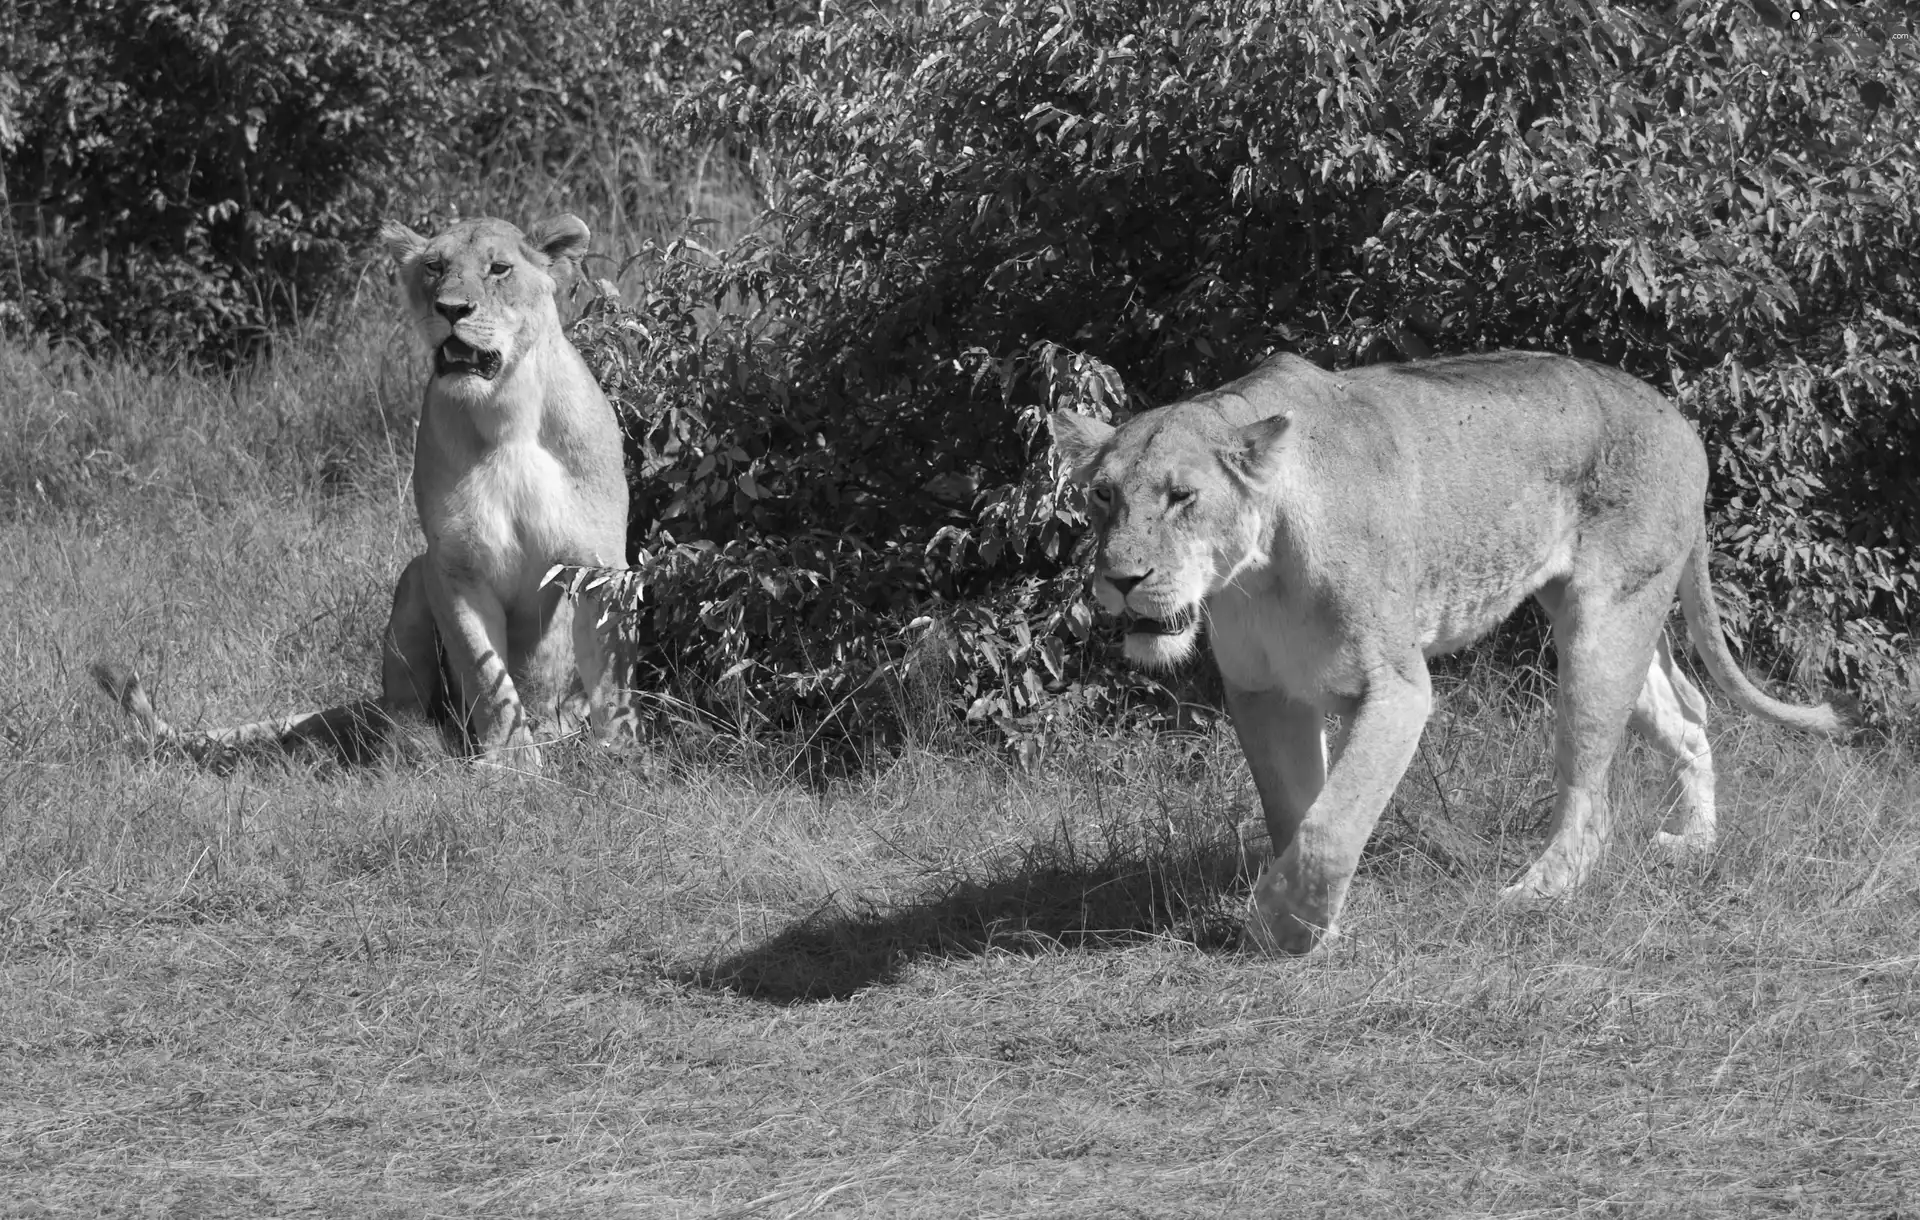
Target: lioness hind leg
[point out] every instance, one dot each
(1606, 648)
(605, 669)
(1671, 714)
(410, 652)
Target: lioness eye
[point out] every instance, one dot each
(1179, 496)
(1100, 494)
(500, 268)
(435, 266)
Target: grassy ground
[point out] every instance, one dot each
(679, 983)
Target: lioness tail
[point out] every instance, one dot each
(122, 686)
(354, 730)
(1710, 641)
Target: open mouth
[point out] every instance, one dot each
(458, 356)
(1176, 624)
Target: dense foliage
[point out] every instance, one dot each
(184, 176)
(181, 173)
(969, 199)
(981, 211)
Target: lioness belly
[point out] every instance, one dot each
(1470, 588)
(1468, 610)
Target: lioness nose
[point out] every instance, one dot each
(1125, 584)
(453, 311)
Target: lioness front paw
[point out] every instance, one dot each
(1687, 845)
(1521, 893)
(1277, 922)
(1535, 885)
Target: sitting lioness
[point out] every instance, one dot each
(1336, 530)
(517, 467)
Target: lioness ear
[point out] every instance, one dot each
(1261, 446)
(403, 244)
(560, 238)
(1077, 439)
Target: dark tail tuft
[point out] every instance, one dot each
(122, 686)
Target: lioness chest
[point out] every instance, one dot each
(506, 520)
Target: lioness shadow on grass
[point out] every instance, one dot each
(1052, 896)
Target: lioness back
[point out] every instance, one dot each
(1537, 413)
(1502, 463)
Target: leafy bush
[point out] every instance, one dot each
(984, 211)
(1716, 196)
(188, 178)
(781, 571)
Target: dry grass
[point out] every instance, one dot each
(682, 984)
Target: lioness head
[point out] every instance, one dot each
(1175, 518)
(481, 293)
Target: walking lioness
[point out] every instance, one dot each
(1336, 530)
(517, 467)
